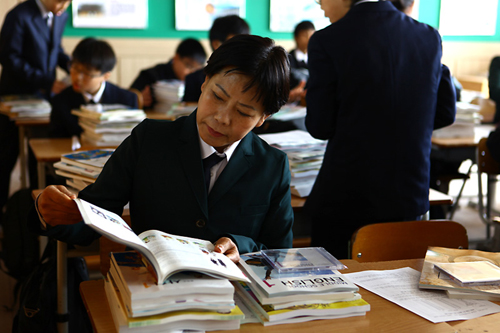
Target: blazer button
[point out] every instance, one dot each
(200, 223)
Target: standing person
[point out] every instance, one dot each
(376, 91)
(222, 29)
(299, 72)
(30, 51)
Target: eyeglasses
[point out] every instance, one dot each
(77, 69)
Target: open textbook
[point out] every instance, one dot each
(167, 254)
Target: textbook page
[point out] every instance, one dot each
(400, 286)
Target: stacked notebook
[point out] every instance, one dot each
(466, 118)
(297, 296)
(24, 107)
(186, 301)
(82, 168)
(468, 274)
(305, 156)
(107, 124)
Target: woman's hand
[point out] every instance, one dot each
(226, 246)
(56, 206)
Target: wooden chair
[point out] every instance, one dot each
(140, 100)
(486, 165)
(405, 240)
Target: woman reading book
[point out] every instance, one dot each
(241, 203)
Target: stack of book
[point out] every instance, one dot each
(466, 118)
(305, 156)
(107, 125)
(24, 107)
(167, 94)
(469, 274)
(151, 291)
(298, 296)
(82, 168)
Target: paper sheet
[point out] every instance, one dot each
(400, 286)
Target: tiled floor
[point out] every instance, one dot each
(466, 214)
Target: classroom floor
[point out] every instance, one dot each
(466, 214)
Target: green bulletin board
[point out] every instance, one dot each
(162, 23)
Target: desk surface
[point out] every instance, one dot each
(480, 131)
(384, 316)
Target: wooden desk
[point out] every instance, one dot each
(383, 316)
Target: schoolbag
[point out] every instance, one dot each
(38, 299)
(20, 247)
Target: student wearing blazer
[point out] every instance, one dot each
(159, 168)
(30, 51)
(376, 91)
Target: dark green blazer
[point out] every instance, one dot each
(159, 170)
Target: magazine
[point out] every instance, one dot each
(165, 253)
(271, 287)
(431, 278)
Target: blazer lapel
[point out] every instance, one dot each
(41, 26)
(238, 165)
(190, 156)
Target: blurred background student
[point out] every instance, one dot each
(189, 57)
(299, 72)
(222, 29)
(30, 51)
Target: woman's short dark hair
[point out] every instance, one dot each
(265, 63)
(96, 54)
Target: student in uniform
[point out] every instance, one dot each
(91, 66)
(376, 91)
(30, 51)
(241, 202)
(222, 29)
(189, 57)
(299, 72)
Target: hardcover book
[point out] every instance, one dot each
(165, 253)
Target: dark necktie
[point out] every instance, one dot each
(208, 163)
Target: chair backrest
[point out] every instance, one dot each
(485, 162)
(405, 240)
(140, 100)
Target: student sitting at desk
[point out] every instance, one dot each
(189, 57)
(241, 202)
(298, 60)
(91, 65)
(222, 29)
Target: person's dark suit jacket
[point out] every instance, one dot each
(376, 91)
(192, 86)
(159, 170)
(63, 124)
(29, 51)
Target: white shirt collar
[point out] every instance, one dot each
(98, 95)
(43, 10)
(300, 56)
(207, 150)
(357, 3)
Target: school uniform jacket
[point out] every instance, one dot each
(29, 51)
(63, 124)
(159, 170)
(376, 91)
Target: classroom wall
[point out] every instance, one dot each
(138, 49)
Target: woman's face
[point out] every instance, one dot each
(225, 113)
(335, 9)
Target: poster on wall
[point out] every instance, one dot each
(200, 14)
(286, 14)
(121, 14)
(468, 18)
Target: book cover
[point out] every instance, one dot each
(167, 254)
(471, 273)
(88, 172)
(272, 287)
(430, 278)
(90, 159)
